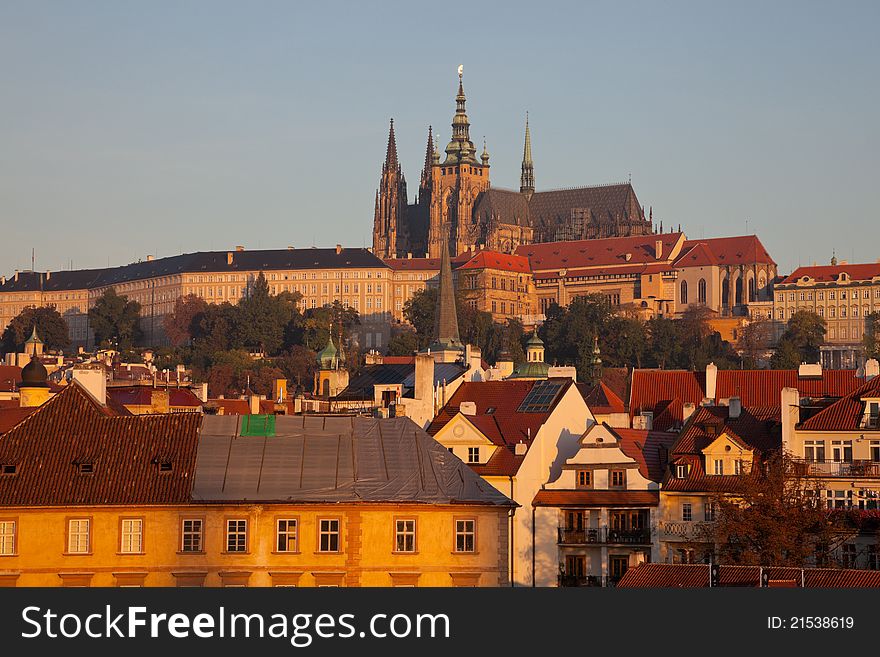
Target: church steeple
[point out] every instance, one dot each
(391, 161)
(388, 217)
(527, 179)
(461, 148)
(425, 184)
(446, 320)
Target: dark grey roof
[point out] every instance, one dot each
(361, 387)
(606, 204)
(506, 205)
(203, 261)
(333, 459)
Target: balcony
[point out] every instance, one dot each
(587, 580)
(604, 536)
(856, 468)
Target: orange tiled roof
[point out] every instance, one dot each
(829, 273)
(496, 260)
(846, 413)
(598, 253)
(738, 250)
(587, 498)
(647, 448)
(73, 428)
(667, 575)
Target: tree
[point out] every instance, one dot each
(664, 343)
(51, 329)
(316, 325)
(623, 342)
(116, 320)
(754, 341)
(178, 324)
(568, 333)
(403, 344)
(261, 320)
(871, 339)
(800, 342)
(419, 310)
(773, 519)
(298, 364)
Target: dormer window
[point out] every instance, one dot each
(165, 467)
(473, 454)
(8, 470)
(682, 470)
(86, 467)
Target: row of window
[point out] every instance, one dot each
(236, 536)
(585, 478)
(841, 450)
(832, 295)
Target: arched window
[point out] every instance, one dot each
(684, 292)
(752, 295)
(738, 291)
(701, 291)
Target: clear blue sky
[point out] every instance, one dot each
(135, 128)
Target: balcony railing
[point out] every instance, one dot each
(587, 580)
(604, 535)
(856, 468)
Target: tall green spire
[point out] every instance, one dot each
(527, 179)
(446, 318)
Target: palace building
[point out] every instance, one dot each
(455, 198)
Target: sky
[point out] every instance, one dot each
(130, 129)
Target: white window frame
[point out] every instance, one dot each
(7, 537)
(465, 535)
(329, 529)
(131, 539)
(286, 530)
(405, 535)
(236, 529)
(79, 535)
(195, 533)
(687, 512)
(473, 454)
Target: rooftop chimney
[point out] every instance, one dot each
(658, 248)
(810, 370)
(468, 408)
(254, 404)
(520, 449)
(229, 257)
(711, 378)
(734, 408)
(48, 275)
(791, 414)
(149, 258)
(688, 409)
(872, 368)
(338, 249)
(239, 248)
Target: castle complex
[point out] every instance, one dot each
(456, 199)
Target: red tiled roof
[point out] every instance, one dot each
(142, 396)
(601, 399)
(666, 391)
(696, 255)
(830, 273)
(398, 360)
(72, 428)
(758, 427)
(598, 253)
(667, 575)
(763, 387)
(845, 414)
(648, 448)
(12, 415)
(496, 260)
(504, 426)
(739, 250)
(10, 378)
(606, 271)
(232, 406)
(582, 498)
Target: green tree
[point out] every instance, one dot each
(754, 342)
(664, 343)
(623, 342)
(51, 329)
(178, 324)
(298, 364)
(800, 341)
(261, 319)
(871, 339)
(568, 333)
(419, 311)
(115, 319)
(403, 344)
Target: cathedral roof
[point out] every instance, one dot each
(739, 250)
(508, 206)
(624, 254)
(605, 203)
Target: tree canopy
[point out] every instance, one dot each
(800, 341)
(51, 329)
(115, 320)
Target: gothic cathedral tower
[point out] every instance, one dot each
(389, 227)
(456, 183)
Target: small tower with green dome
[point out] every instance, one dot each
(534, 368)
(330, 378)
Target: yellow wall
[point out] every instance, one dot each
(366, 558)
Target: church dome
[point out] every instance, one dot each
(34, 374)
(327, 356)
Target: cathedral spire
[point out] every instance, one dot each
(527, 179)
(446, 319)
(391, 162)
(461, 148)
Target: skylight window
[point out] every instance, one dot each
(541, 397)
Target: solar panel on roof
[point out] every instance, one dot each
(541, 397)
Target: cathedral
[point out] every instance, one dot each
(455, 199)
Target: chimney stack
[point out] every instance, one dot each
(229, 257)
(711, 379)
(149, 258)
(338, 249)
(239, 248)
(254, 404)
(734, 408)
(658, 248)
(48, 275)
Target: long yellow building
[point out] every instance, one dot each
(90, 498)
